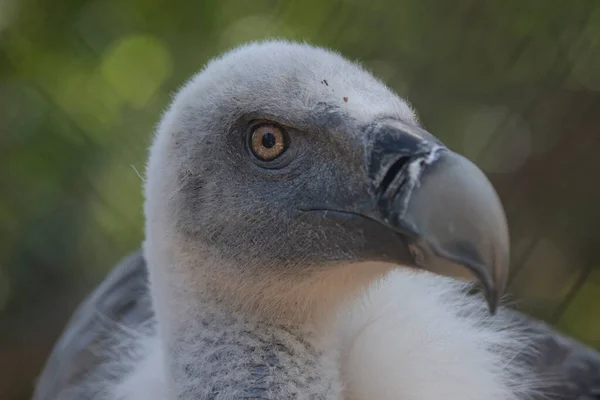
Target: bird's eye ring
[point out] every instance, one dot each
(268, 142)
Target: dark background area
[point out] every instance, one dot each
(513, 85)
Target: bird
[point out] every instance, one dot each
(307, 238)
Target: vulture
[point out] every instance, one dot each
(306, 238)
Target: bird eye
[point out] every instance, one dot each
(268, 142)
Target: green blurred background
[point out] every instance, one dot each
(513, 85)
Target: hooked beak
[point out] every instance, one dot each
(441, 202)
(441, 206)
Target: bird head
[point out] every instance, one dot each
(284, 172)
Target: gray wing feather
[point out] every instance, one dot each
(567, 369)
(119, 306)
(570, 370)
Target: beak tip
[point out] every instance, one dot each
(493, 294)
(493, 300)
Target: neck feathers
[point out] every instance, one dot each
(411, 333)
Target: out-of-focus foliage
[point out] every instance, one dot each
(514, 85)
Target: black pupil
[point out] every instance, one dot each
(268, 140)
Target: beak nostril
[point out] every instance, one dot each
(391, 174)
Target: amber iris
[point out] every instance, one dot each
(267, 142)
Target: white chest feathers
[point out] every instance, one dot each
(419, 336)
(412, 336)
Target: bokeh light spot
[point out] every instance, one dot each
(136, 67)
